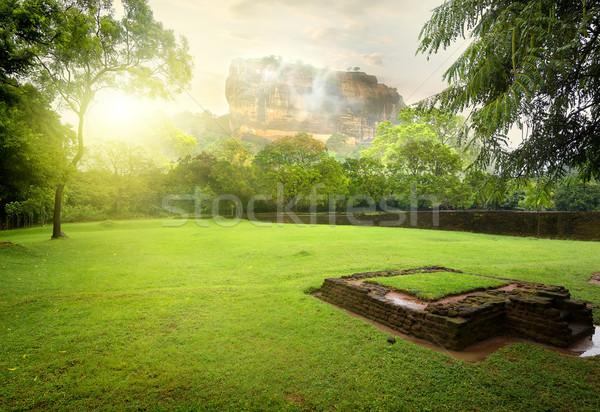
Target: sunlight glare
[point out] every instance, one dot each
(117, 116)
(119, 110)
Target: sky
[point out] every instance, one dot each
(379, 36)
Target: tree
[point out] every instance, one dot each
(534, 64)
(301, 149)
(431, 169)
(165, 139)
(296, 163)
(579, 197)
(538, 195)
(24, 27)
(116, 179)
(191, 172)
(391, 137)
(92, 50)
(366, 176)
(445, 125)
(205, 127)
(33, 142)
(419, 124)
(233, 173)
(33, 147)
(233, 151)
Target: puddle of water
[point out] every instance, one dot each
(589, 346)
(406, 300)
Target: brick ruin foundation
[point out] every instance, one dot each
(533, 311)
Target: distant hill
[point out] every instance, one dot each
(270, 99)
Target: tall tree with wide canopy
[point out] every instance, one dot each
(33, 142)
(532, 63)
(94, 50)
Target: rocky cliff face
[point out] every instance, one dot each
(271, 99)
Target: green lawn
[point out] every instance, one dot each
(436, 285)
(133, 315)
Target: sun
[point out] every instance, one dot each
(119, 109)
(116, 116)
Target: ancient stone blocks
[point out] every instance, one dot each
(534, 311)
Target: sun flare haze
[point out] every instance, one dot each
(119, 109)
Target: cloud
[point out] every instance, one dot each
(380, 36)
(349, 31)
(245, 36)
(373, 59)
(385, 39)
(250, 8)
(322, 33)
(245, 8)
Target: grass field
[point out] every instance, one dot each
(436, 285)
(133, 315)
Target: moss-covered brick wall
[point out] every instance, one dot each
(538, 312)
(554, 225)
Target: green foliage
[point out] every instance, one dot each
(205, 127)
(418, 124)
(33, 142)
(163, 137)
(445, 125)
(538, 195)
(300, 150)
(425, 157)
(93, 50)
(233, 151)
(533, 64)
(294, 165)
(366, 176)
(342, 147)
(25, 27)
(579, 197)
(33, 148)
(118, 180)
(436, 285)
(428, 172)
(192, 172)
(233, 172)
(390, 137)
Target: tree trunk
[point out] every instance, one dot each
(56, 232)
(538, 222)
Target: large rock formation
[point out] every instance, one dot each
(271, 99)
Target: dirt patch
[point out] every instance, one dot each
(6, 243)
(595, 279)
(294, 398)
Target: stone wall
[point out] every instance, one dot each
(540, 319)
(553, 225)
(542, 313)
